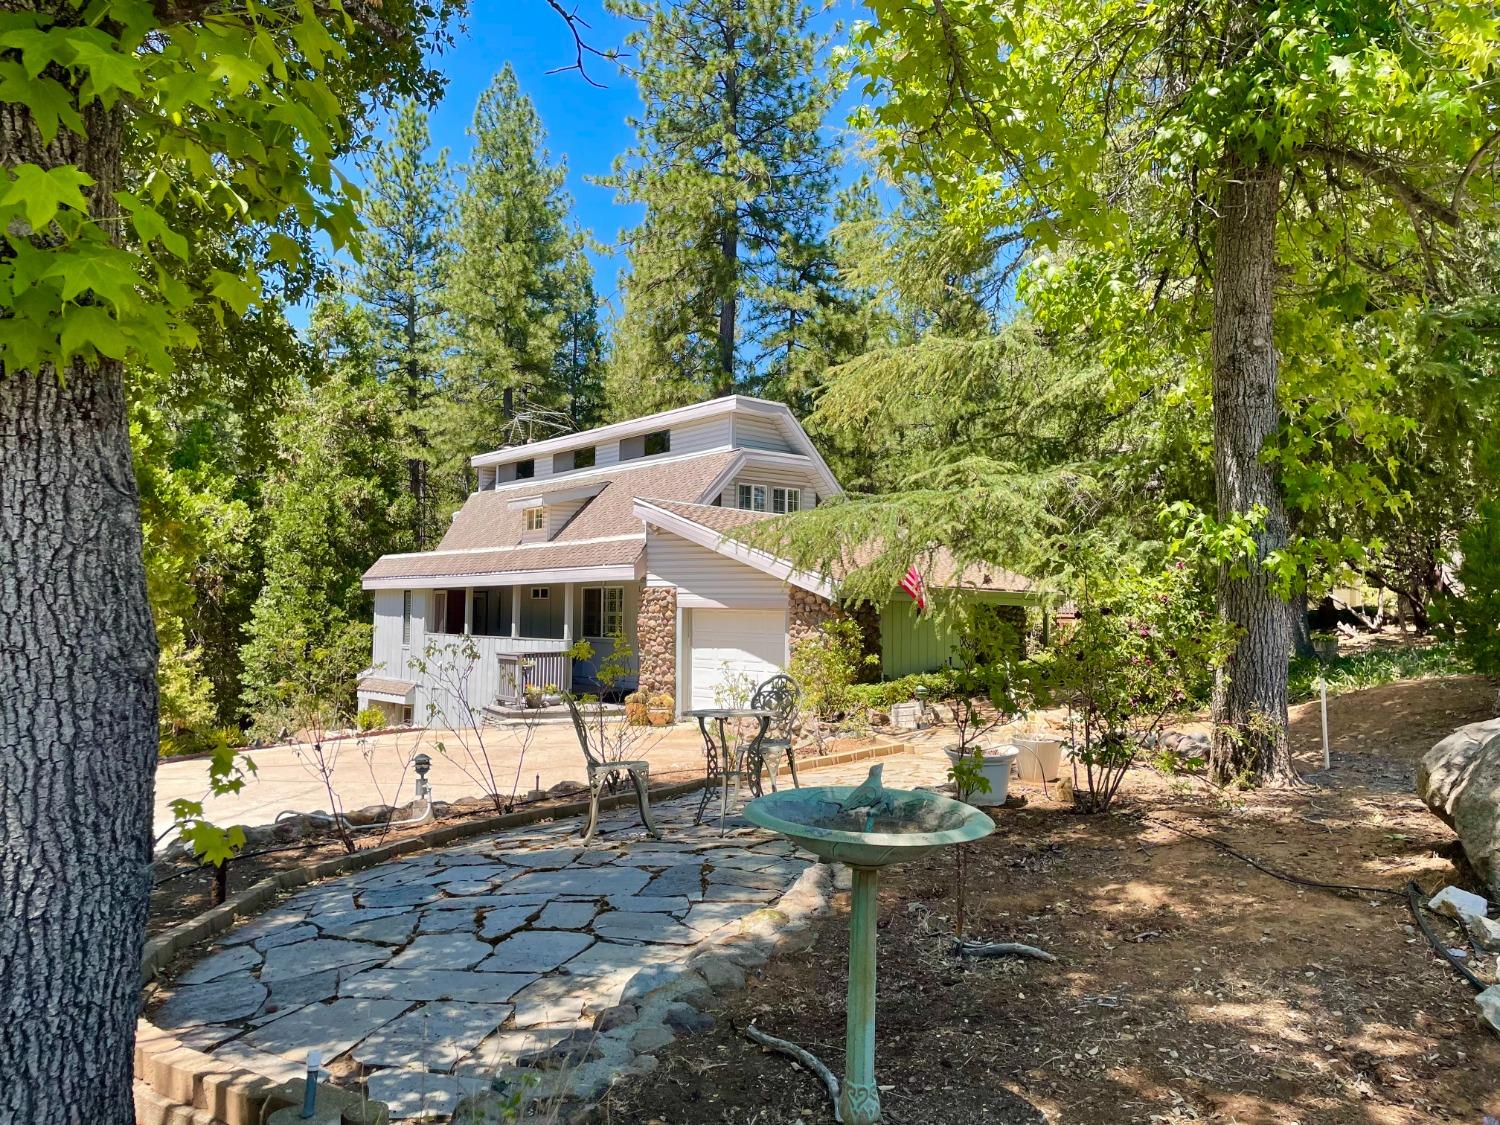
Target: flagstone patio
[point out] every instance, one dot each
(435, 974)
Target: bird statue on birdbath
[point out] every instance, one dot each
(869, 794)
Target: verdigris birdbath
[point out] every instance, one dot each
(868, 827)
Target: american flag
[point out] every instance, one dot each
(914, 587)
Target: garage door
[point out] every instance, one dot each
(738, 645)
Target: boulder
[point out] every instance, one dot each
(1459, 780)
(1486, 933)
(1489, 1006)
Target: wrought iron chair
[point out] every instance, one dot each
(779, 695)
(601, 774)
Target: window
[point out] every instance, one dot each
(658, 442)
(526, 469)
(535, 518)
(479, 623)
(406, 715)
(603, 611)
(785, 500)
(583, 458)
(453, 612)
(753, 497)
(437, 605)
(406, 617)
(540, 593)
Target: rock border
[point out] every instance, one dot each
(178, 1085)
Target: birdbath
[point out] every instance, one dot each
(887, 826)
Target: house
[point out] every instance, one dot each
(623, 530)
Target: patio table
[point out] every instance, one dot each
(725, 762)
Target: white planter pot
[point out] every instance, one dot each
(1040, 760)
(995, 769)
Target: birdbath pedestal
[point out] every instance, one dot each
(868, 827)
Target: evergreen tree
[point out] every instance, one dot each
(579, 365)
(509, 287)
(735, 177)
(339, 502)
(406, 215)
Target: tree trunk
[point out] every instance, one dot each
(729, 236)
(78, 706)
(1249, 703)
(77, 748)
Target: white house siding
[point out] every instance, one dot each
(695, 437)
(771, 478)
(705, 579)
(751, 432)
(606, 453)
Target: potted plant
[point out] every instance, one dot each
(981, 772)
(637, 709)
(660, 709)
(1325, 644)
(533, 695)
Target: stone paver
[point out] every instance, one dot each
(438, 971)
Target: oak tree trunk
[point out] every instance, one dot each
(1250, 691)
(77, 708)
(77, 748)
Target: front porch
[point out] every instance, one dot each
(524, 633)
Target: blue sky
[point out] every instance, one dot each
(585, 125)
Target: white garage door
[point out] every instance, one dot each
(739, 645)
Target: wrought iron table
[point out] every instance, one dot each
(726, 762)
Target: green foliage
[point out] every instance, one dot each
(827, 665)
(1383, 664)
(1144, 646)
(370, 719)
(887, 693)
(966, 774)
(1100, 134)
(517, 275)
(305, 677)
(228, 771)
(727, 268)
(1477, 613)
(240, 115)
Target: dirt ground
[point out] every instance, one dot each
(1191, 987)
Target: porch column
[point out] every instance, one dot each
(515, 611)
(468, 611)
(568, 612)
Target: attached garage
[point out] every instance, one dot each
(729, 645)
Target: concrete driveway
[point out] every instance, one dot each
(375, 771)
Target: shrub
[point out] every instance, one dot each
(371, 718)
(886, 694)
(1476, 614)
(827, 665)
(1143, 647)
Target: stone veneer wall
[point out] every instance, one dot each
(656, 638)
(807, 613)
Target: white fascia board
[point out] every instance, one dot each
(721, 482)
(451, 551)
(651, 422)
(558, 496)
(753, 557)
(626, 573)
(603, 474)
(388, 696)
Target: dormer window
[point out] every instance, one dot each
(753, 497)
(784, 500)
(583, 458)
(660, 441)
(526, 469)
(535, 518)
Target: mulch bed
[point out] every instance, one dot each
(1191, 987)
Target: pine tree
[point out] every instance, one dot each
(579, 364)
(508, 289)
(735, 176)
(406, 213)
(338, 502)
